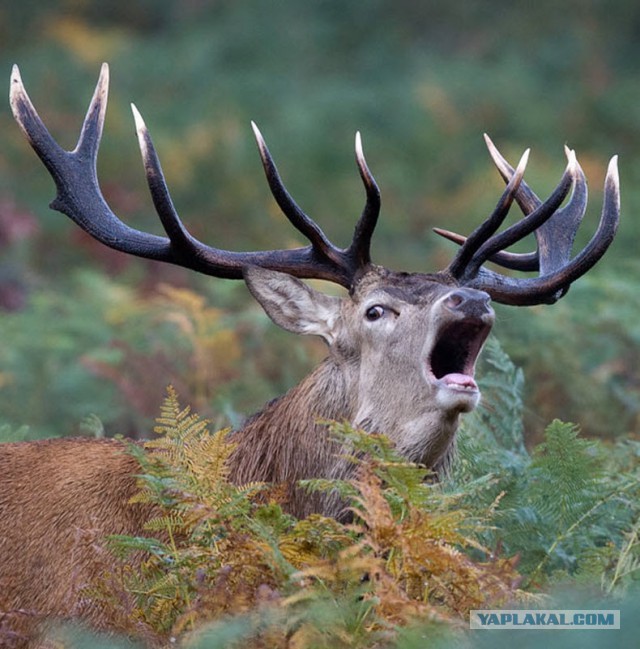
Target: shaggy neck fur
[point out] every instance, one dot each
(280, 443)
(285, 443)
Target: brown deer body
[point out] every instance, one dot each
(402, 354)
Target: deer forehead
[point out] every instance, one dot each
(419, 289)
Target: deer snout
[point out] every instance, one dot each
(470, 303)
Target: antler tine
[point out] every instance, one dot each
(527, 261)
(289, 207)
(79, 197)
(93, 125)
(158, 189)
(529, 223)
(185, 248)
(525, 196)
(32, 126)
(555, 237)
(74, 172)
(548, 288)
(470, 247)
(361, 245)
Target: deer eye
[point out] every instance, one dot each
(375, 313)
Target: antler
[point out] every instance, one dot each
(555, 231)
(79, 197)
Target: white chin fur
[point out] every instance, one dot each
(456, 399)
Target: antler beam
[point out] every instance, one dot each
(80, 198)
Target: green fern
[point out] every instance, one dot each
(417, 547)
(565, 508)
(491, 438)
(626, 569)
(502, 386)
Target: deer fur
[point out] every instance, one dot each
(60, 498)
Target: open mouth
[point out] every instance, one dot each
(453, 358)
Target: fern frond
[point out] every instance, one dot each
(414, 548)
(627, 563)
(172, 521)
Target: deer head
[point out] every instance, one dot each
(405, 344)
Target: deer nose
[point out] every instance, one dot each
(470, 302)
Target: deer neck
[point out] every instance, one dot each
(286, 441)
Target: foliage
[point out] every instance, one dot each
(567, 509)
(96, 348)
(421, 81)
(205, 349)
(43, 382)
(592, 383)
(217, 549)
(225, 561)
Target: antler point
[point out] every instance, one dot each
(449, 235)
(17, 87)
(612, 170)
(256, 130)
(19, 99)
(359, 151)
(262, 146)
(488, 141)
(572, 161)
(141, 127)
(523, 162)
(103, 79)
(15, 73)
(498, 161)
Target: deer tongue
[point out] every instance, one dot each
(456, 380)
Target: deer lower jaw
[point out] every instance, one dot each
(456, 392)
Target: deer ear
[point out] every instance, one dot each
(292, 304)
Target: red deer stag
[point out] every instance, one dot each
(402, 349)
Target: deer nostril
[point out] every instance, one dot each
(454, 300)
(469, 302)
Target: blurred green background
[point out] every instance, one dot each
(90, 338)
